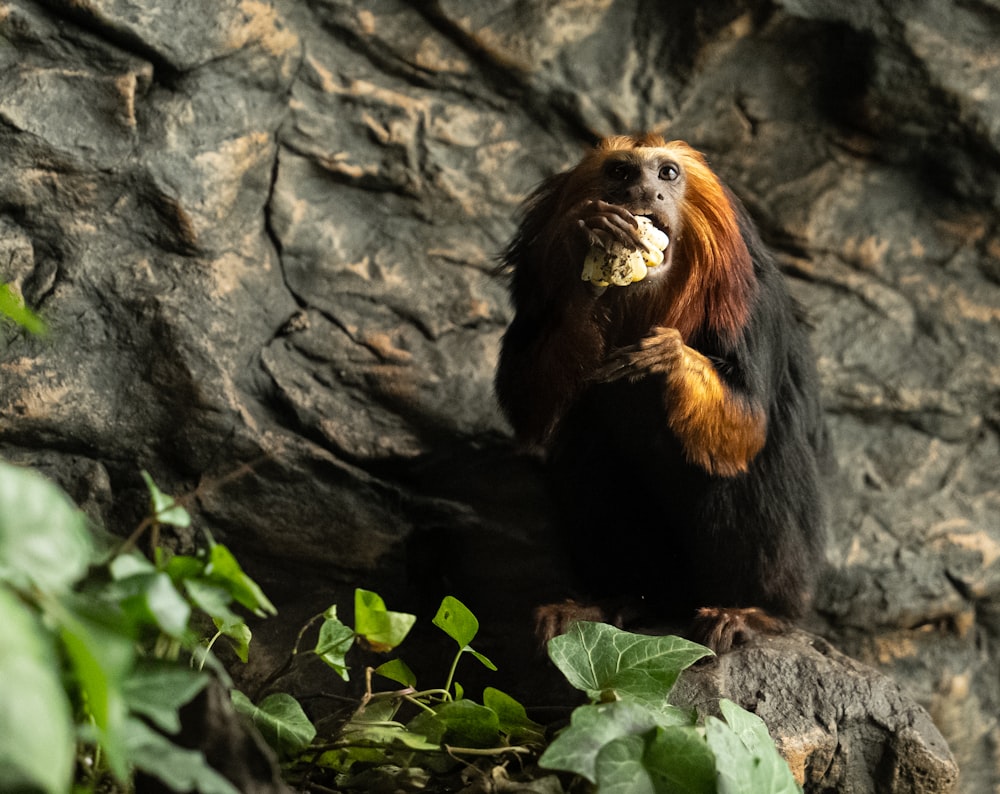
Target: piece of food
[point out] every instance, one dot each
(621, 265)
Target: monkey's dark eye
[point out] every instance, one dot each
(619, 171)
(669, 172)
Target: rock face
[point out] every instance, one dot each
(856, 732)
(263, 232)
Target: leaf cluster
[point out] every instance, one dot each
(629, 738)
(102, 647)
(91, 654)
(401, 732)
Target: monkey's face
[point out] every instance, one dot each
(648, 181)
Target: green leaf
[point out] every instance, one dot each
(377, 710)
(12, 306)
(130, 564)
(239, 635)
(399, 671)
(608, 663)
(513, 719)
(152, 599)
(466, 724)
(280, 720)
(100, 653)
(679, 760)
(456, 620)
(483, 660)
(44, 541)
(157, 690)
(382, 629)
(745, 756)
(358, 732)
(165, 509)
(36, 721)
(427, 725)
(223, 569)
(591, 728)
(182, 568)
(179, 769)
(210, 598)
(619, 767)
(334, 641)
(747, 725)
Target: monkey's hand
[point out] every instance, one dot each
(603, 224)
(622, 265)
(658, 354)
(720, 429)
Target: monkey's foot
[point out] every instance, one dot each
(722, 628)
(551, 620)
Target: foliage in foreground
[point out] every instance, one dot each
(96, 652)
(103, 646)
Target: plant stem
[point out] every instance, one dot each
(284, 668)
(451, 673)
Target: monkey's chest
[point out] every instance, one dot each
(616, 438)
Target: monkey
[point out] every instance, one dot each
(678, 416)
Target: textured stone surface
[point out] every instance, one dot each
(856, 732)
(263, 233)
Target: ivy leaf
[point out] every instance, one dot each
(151, 599)
(165, 509)
(380, 628)
(239, 635)
(180, 769)
(44, 541)
(746, 758)
(130, 564)
(482, 659)
(36, 721)
(100, 653)
(591, 728)
(334, 641)
(679, 760)
(280, 720)
(157, 690)
(465, 723)
(359, 733)
(223, 569)
(608, 663)
(619, 767)
(513, 719)
(181, 568)
(456, 620)
(399, 671)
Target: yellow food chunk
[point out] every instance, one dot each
(621, 265)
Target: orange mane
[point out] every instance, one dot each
(714, 283)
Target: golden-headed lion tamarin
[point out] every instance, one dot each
(679, 413)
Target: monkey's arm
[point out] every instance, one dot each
(557, 337)
(720, 429)
(547, 355)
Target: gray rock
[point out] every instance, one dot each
(857, 731)
(263, 237)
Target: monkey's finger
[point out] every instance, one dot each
(614, 210)
(596, 237)
(619, 365)
(646, 358)
(618, 223)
